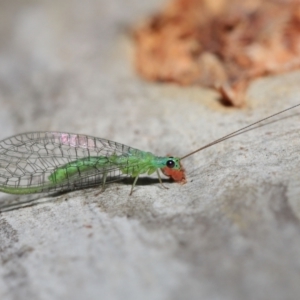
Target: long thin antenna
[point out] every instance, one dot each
(234, 133)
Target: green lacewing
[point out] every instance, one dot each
(39, 162)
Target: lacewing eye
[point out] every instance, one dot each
(170, 164)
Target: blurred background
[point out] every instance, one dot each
(231, 232)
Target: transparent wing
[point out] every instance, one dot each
(27, 160)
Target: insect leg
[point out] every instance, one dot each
(104, 181)
(133, 185)
(160, 180)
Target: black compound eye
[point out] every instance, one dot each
(170, 163)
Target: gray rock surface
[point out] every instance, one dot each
(231, 232)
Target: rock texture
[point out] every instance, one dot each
(231, 232)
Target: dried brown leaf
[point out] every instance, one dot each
(221, 44)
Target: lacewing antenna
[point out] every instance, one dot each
(234, 133)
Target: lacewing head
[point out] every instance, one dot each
(176, 175)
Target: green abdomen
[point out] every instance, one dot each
(78, 166)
